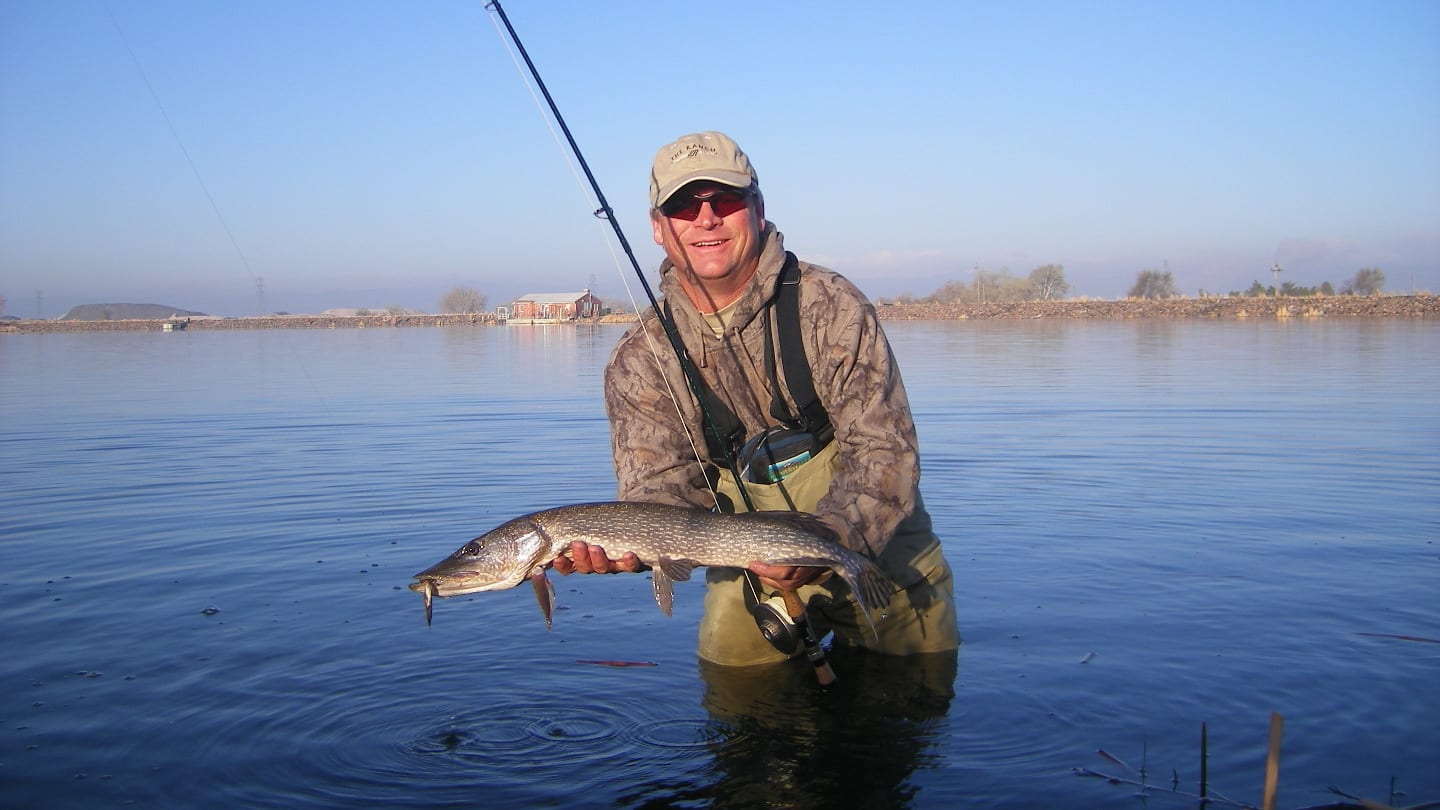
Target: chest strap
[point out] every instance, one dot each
(812, 416)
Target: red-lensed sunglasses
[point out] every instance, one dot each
(723, 201)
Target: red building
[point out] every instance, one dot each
(554, 307)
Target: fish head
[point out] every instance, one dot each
(496, 560)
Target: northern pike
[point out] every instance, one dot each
(672, 540)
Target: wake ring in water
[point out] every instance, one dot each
(572, 728)
(516, 728)
(457, 737)
(681, 733)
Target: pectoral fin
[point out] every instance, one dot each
(544, 593)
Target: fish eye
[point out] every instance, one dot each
(471, 549)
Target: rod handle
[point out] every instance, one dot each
(813, 651)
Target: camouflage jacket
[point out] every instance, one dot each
(656, 423)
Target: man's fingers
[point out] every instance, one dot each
(588, 559)
(599, 562)
(579, 560)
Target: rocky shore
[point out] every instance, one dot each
(1345, 306)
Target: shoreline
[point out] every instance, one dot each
(1344, 306)
(1423, 305)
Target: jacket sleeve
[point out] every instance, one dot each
(654, 460)
(858, 381)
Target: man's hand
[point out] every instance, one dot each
(786, 577)
(586, 559)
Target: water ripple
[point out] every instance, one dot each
(684, 733)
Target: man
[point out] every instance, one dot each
(720, 281)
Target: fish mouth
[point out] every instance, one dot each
(431, 586)
(452, 584)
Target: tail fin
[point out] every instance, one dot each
(872, 591)
(875, 587)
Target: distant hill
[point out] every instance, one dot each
(124, 312)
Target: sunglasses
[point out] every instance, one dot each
(723, 202)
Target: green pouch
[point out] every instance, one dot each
(800, 491)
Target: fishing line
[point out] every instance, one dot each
(609, 245)
(175, 133)
(606, 213)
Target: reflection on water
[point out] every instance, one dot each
(789, 743)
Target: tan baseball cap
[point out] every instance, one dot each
(703, 156)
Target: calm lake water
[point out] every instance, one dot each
(205, 538)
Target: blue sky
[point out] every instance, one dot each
(368, 154)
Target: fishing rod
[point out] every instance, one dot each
(794, 607)
(687, 366)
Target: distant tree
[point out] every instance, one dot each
(2, 304)
(395, 309)
(462, 300)
(1257, 290)
(993, 287)
(1048, 281)
(1366, 281)
(999, 287)
(1153, 284)
(363, 312)
(1327, 289)
(952, 292)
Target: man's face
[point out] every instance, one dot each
(713, 231)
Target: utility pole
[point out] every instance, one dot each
(1275, 275)
(260, 296)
